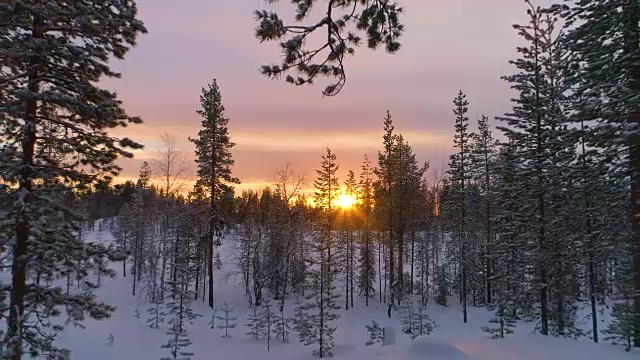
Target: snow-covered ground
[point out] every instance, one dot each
(133, 339)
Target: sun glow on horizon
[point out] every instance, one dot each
(345, 201)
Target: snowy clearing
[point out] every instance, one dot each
(133, 339)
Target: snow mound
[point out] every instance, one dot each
(389, 335)
(424, 348)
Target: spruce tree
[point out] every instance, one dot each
(54, 143)
(341, 24)
(213, 156)
(603, 39)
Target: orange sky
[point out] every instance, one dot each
(449, 45)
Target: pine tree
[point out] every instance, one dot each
(54, 144)
(378, 19)
(482, 158)
(409, 202)
(301, 320)
(268, 318)
(227, 318)
(442, 286)
(281, 328)
(376, 333)
(155, 314)
(178, 341)
(347, 245)
(505, 321)
(386, 203)
(621, 329)
(406, 312)
(255, 323)
(423, 325)
(537, 136)
(415, 320)
(213, 156)
(178, 308)
(317, 315)
(604, 78)
(327, 191)
(459, 172)
(122, 233)
(367, 258)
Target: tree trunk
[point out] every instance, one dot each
(413, 241)
(351, 265)
(23, 221)
(379, 268)
(489, 241)
(124, 261)
(198, 264)
(210, 262)
(401, 257)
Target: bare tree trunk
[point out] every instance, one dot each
(351, 266)
(379, 268)
(124, 261)
(210, 262)
(413, 241)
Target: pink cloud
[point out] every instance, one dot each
(449, 45)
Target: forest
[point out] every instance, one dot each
(535, 218)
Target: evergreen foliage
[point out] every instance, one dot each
(214, 160)
(54, 145)
(376, 333)
(227, 318)
(343, 21)
(255, 323)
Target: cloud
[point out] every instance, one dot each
(448, 46)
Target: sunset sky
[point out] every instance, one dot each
(449, 45)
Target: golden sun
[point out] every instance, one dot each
(345, 201)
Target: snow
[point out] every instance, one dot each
(451, 339)
(389, 335)
(425, 348)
